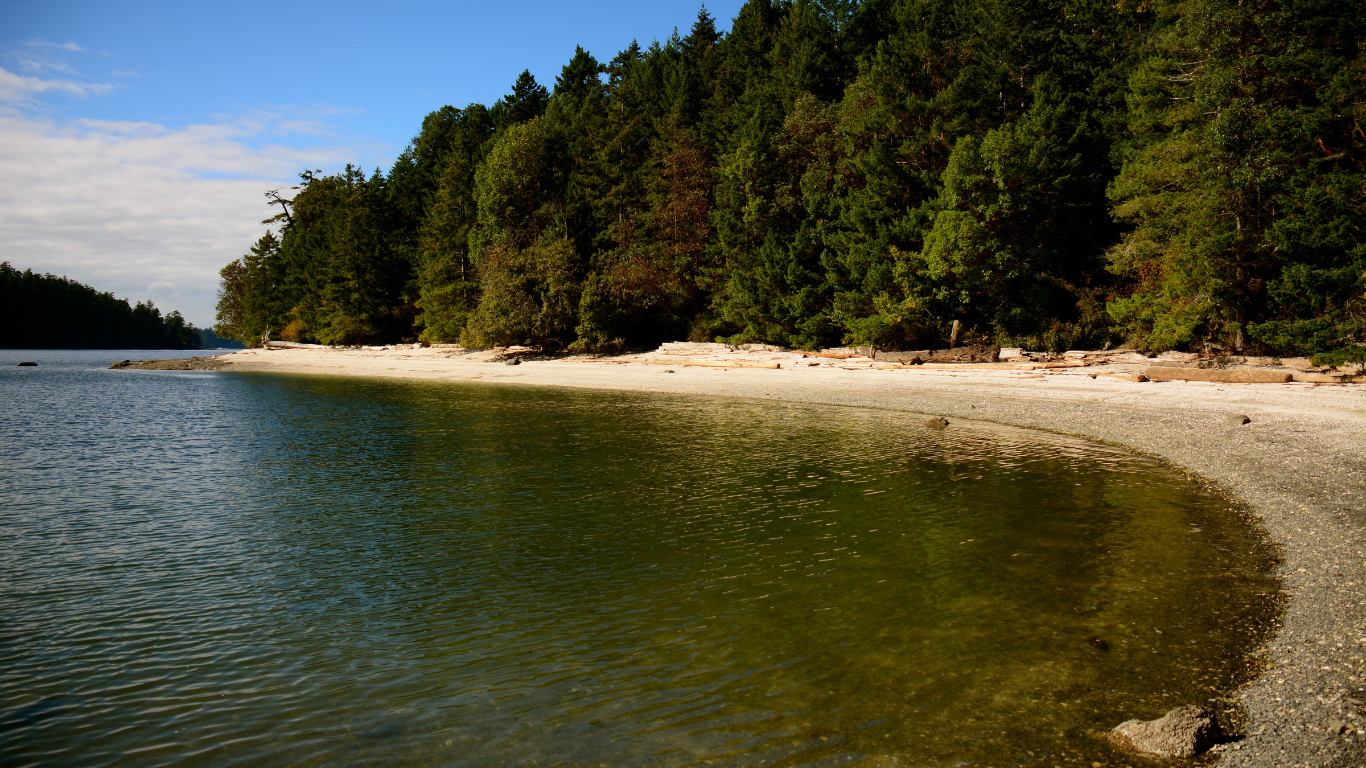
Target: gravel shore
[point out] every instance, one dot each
(1299, 466)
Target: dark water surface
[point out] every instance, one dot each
(229, 569)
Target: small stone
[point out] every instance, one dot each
(938, 422)
(1236, 420)
(1336, 727)
(1181, 733)
(668, 370)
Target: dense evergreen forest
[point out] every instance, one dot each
(50, 312)
(1050, 173)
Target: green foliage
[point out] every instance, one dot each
(529, 296)
(1047, 174)
(50, 312)
(516, 186)
(1245, 182)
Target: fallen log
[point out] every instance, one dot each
(964, 367)
(1325, 378)
(715, 363)
(958, 355)
(1224, 376)
(1136, 377)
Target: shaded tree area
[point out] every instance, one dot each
(50, 312)
(1048, 173)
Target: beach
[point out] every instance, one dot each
(1298, 465)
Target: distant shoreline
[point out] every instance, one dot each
(1299, 465)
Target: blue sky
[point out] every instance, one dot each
(137, 139)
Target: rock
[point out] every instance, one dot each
(176, 364)
(515, 361)
(26, 364)
(1183, 732)
(938, 422)
(1337, 727)
(1236, 420)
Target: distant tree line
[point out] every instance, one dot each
(1049, 173)
(50, 312)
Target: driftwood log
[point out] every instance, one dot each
(716, 363)
(976, 354)
(1224, 376)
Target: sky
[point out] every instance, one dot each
(138, 139)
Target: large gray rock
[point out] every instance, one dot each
(1184, 732)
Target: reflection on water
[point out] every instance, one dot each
(219, 569)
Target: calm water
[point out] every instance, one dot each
(229, 569)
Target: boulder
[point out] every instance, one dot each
(26, 364)
(1184, 732)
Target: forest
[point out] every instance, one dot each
(1052, 174)
(50, 312)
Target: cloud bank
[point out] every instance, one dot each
(139, 209)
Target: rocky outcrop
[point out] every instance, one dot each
(1181, 733)
(176, 364)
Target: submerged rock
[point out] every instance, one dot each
(1183, 732)
(176, 364)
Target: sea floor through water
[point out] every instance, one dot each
(232, 569)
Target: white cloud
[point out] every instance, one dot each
(29, 64)
(139, 209)
(17, 88)
(67, 46)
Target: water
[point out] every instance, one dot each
(229, 569)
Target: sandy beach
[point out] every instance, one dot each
(1299, 465)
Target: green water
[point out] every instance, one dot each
(215, 569)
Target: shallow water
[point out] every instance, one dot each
(230, 569)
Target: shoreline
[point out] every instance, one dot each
(1299, 467)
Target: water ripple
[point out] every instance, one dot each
(218, 569)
